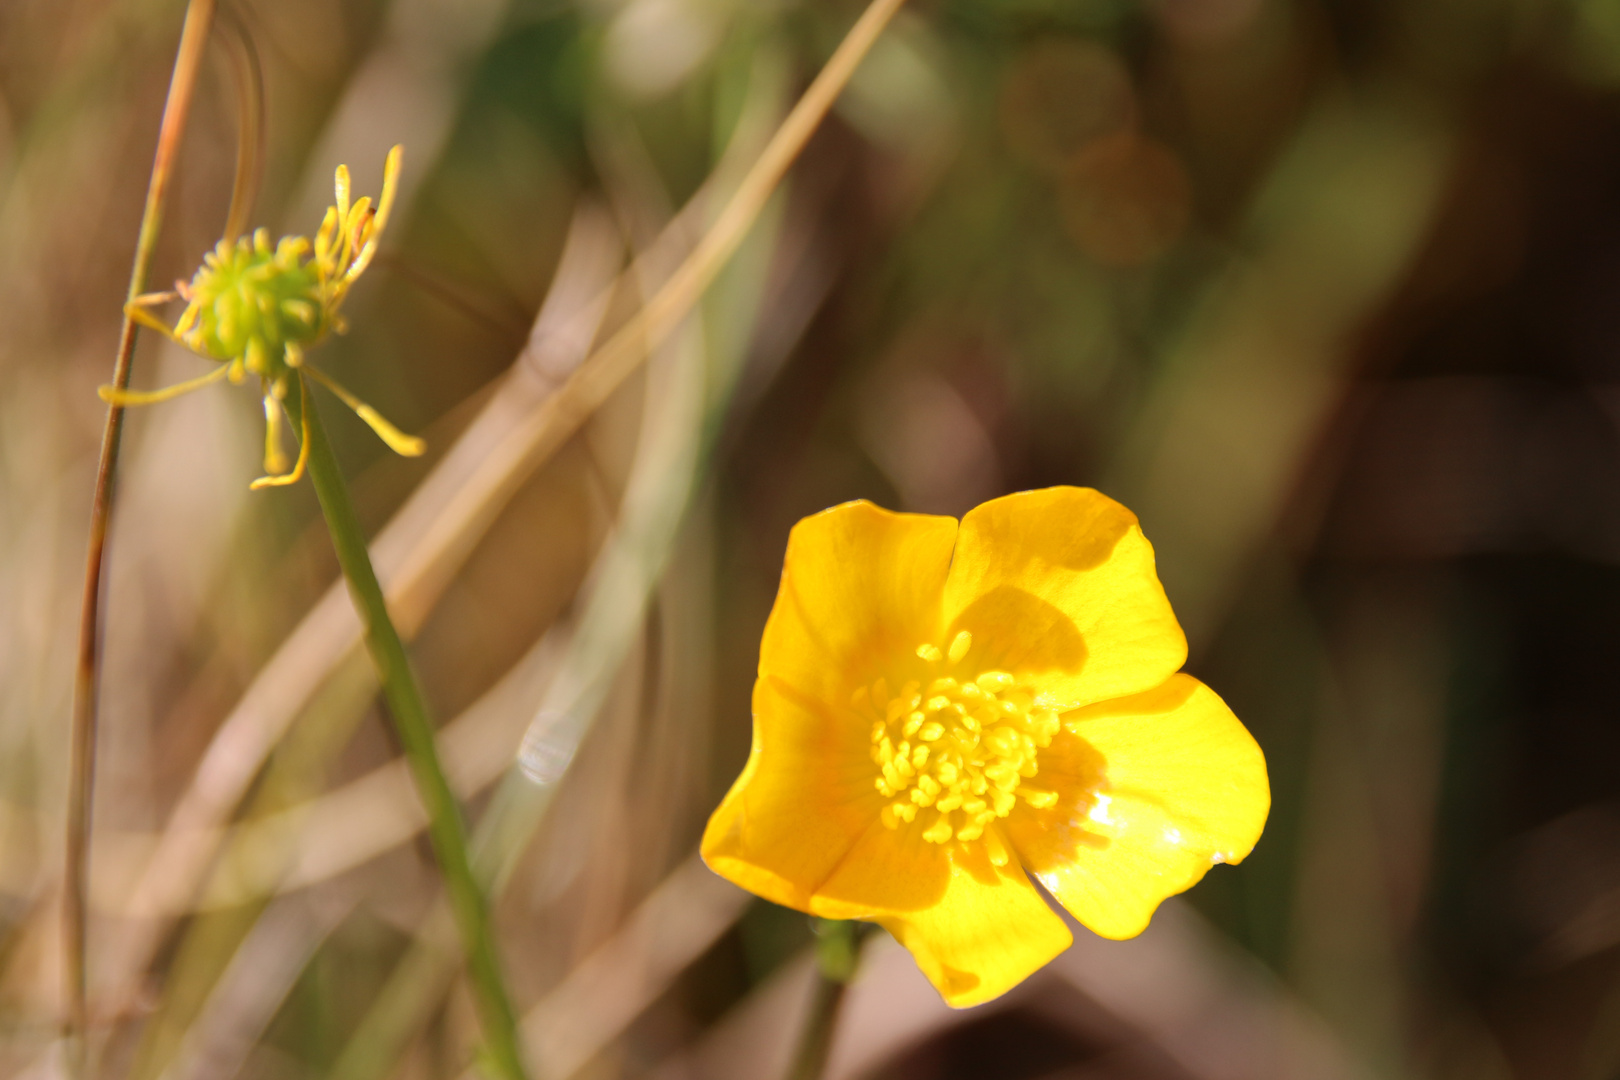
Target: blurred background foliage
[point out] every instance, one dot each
(1328, 291)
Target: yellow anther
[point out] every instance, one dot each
(1040, 800)
(904, 811)
(931, 731)
(971, 692)
(943, 685)
(340, 184)
(929, 653)
(913, 722)
(919, 756)
(879, 729)
(960, 646)
(1002, 802)
(1003, 775)
(928, 784)
(949, 802)
(939, 832)
(994, 681)
(947, 773)
(938, 703)
(970, 832)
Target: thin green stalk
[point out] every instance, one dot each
(838, 955)
(445, 825)
(82, 755)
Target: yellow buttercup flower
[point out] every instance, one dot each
(945, 709)
(255, 309)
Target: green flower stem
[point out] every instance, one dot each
(838, 955)
(445, 825)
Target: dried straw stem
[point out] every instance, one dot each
(81, 778)
(606, 369)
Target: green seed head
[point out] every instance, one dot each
(261, 305)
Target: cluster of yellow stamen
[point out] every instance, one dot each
(959, 748)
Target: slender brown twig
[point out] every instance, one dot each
(82, 768)
(248, 75)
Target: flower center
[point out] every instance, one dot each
(959, 748)
(255, 302)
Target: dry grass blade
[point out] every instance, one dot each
(81, 783)
(612, 606)
(264, 969)
(600, 997)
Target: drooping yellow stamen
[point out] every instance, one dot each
(275, 459)
(385, 204)
(323, 242)
(390, 186)
(113, 396)
(340, 187)
(303, 447)
(137, 309)
(399, 442)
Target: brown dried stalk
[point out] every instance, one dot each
(81, 780)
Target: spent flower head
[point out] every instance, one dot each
(255, 309)
(944, 709)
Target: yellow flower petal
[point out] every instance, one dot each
(976, 930)
(1180, 786)
(802, 801)
(1060, 583)
(860, 586)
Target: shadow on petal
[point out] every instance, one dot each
(1017, 631)
(1045, 839)
(1165, 698)
(1179, 786)
(886, 870)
